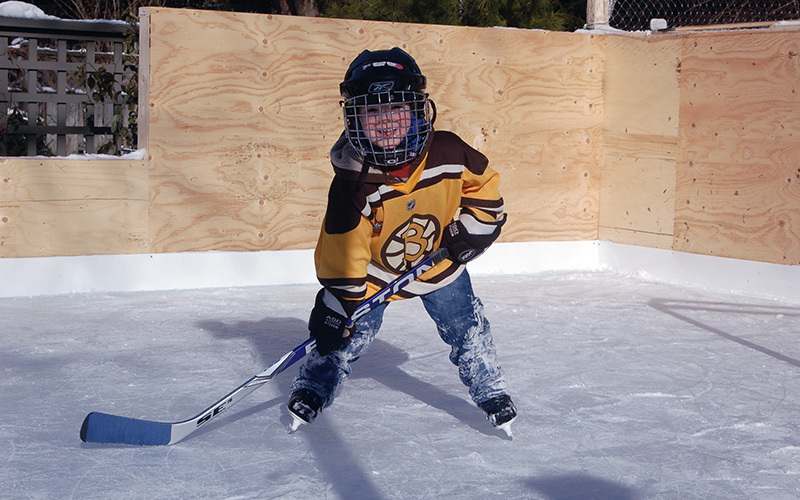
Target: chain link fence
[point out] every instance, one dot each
(635, 15)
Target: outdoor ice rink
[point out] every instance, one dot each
(627, 389)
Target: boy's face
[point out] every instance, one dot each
(385, 125)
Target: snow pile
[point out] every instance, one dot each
(22, 10)
(137, 154)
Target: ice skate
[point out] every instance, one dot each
(304, 406)
(501, 412)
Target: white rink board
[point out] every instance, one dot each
(196, 270)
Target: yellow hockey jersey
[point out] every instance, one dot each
(377, 228)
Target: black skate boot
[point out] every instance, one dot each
(500, 411)
(304, 406)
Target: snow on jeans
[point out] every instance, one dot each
(459, 319)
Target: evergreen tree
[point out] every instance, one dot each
(538, 14)
(541, 14)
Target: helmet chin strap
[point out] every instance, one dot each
(362, 175)
(400, 171)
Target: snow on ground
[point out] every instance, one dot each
(627, 390)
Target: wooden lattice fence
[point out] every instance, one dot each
(47, 106)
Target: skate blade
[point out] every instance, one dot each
(506, 427)
(295, 424)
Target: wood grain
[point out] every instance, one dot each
(640, 140)
(73, 207)
(243, 109)
(683, 141)
(738, 181)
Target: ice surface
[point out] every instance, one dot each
(627, 389)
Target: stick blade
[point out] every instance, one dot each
(112, 429)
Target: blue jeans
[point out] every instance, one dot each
(459, 319)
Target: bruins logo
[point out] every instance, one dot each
(410, 243)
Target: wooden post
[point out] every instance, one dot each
(143, 134)
(597, 13)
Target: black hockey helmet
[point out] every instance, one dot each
(386, 77)
(375, 72)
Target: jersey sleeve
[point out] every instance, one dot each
(343, 249)
(481, 196)
(481, 208)
(480, 184)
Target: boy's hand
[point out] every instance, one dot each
(327, 323)
(465, 246)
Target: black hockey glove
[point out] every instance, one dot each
(465, 245)
(327, 323)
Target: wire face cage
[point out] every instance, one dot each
(388, 129)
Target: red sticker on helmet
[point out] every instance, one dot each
(380, 64)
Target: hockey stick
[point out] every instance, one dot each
(113, 429)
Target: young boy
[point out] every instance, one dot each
(399, 192)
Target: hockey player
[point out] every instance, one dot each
(399, 192)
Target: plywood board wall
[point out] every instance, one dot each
(640, 140)
(72, 207)
(244, 108)
(702, 143)
(686, 141)
(738, 178)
